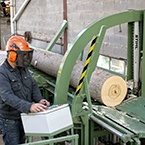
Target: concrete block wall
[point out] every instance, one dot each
(44, 17)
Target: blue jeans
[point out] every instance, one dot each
(12, 130)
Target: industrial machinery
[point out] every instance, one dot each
(93, 121)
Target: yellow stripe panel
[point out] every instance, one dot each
(87, 61)
(83, 74)
(91, 48)
(78, 88)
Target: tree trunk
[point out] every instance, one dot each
(104, 87)
(107, 88)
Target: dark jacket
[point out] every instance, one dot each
(3, 4)
(17, 91)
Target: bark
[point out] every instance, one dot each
(3, 55)
(104, 87)
(110, 95)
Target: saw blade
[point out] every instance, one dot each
(136, 53)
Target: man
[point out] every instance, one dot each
(18, 91)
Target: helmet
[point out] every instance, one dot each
(19, 43)
(19, 51)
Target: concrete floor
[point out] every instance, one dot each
(1, 141)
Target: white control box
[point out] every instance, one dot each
(49, 121)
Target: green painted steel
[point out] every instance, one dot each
(125, 120)
(143, 59)
(57, 35)
(97, 28)
(55, 140)
(134, 108)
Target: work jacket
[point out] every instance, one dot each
(18, 90)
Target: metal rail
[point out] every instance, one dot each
(83, 114)
(55, 140)
(57, 35)
(97, 28)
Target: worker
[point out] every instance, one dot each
(18, 91)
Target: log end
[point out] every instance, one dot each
(113, 91)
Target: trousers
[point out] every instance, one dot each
(12, 131)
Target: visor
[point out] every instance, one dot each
(24, 58)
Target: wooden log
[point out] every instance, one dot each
(107, 88)
(3, 56)
(47, 62)
(104, 87)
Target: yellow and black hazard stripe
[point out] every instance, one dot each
(86, 65)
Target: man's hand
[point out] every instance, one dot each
(44, 102)
(37, 107)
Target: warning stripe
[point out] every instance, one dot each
(86, 65)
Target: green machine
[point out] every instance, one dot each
(92, 120)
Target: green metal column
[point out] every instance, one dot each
(143, 59)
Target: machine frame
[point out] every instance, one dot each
(87, 115)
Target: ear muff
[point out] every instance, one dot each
(12, 56)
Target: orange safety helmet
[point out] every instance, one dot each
(19, 41)
(17, 45)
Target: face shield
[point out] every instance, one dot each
(24, 58)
